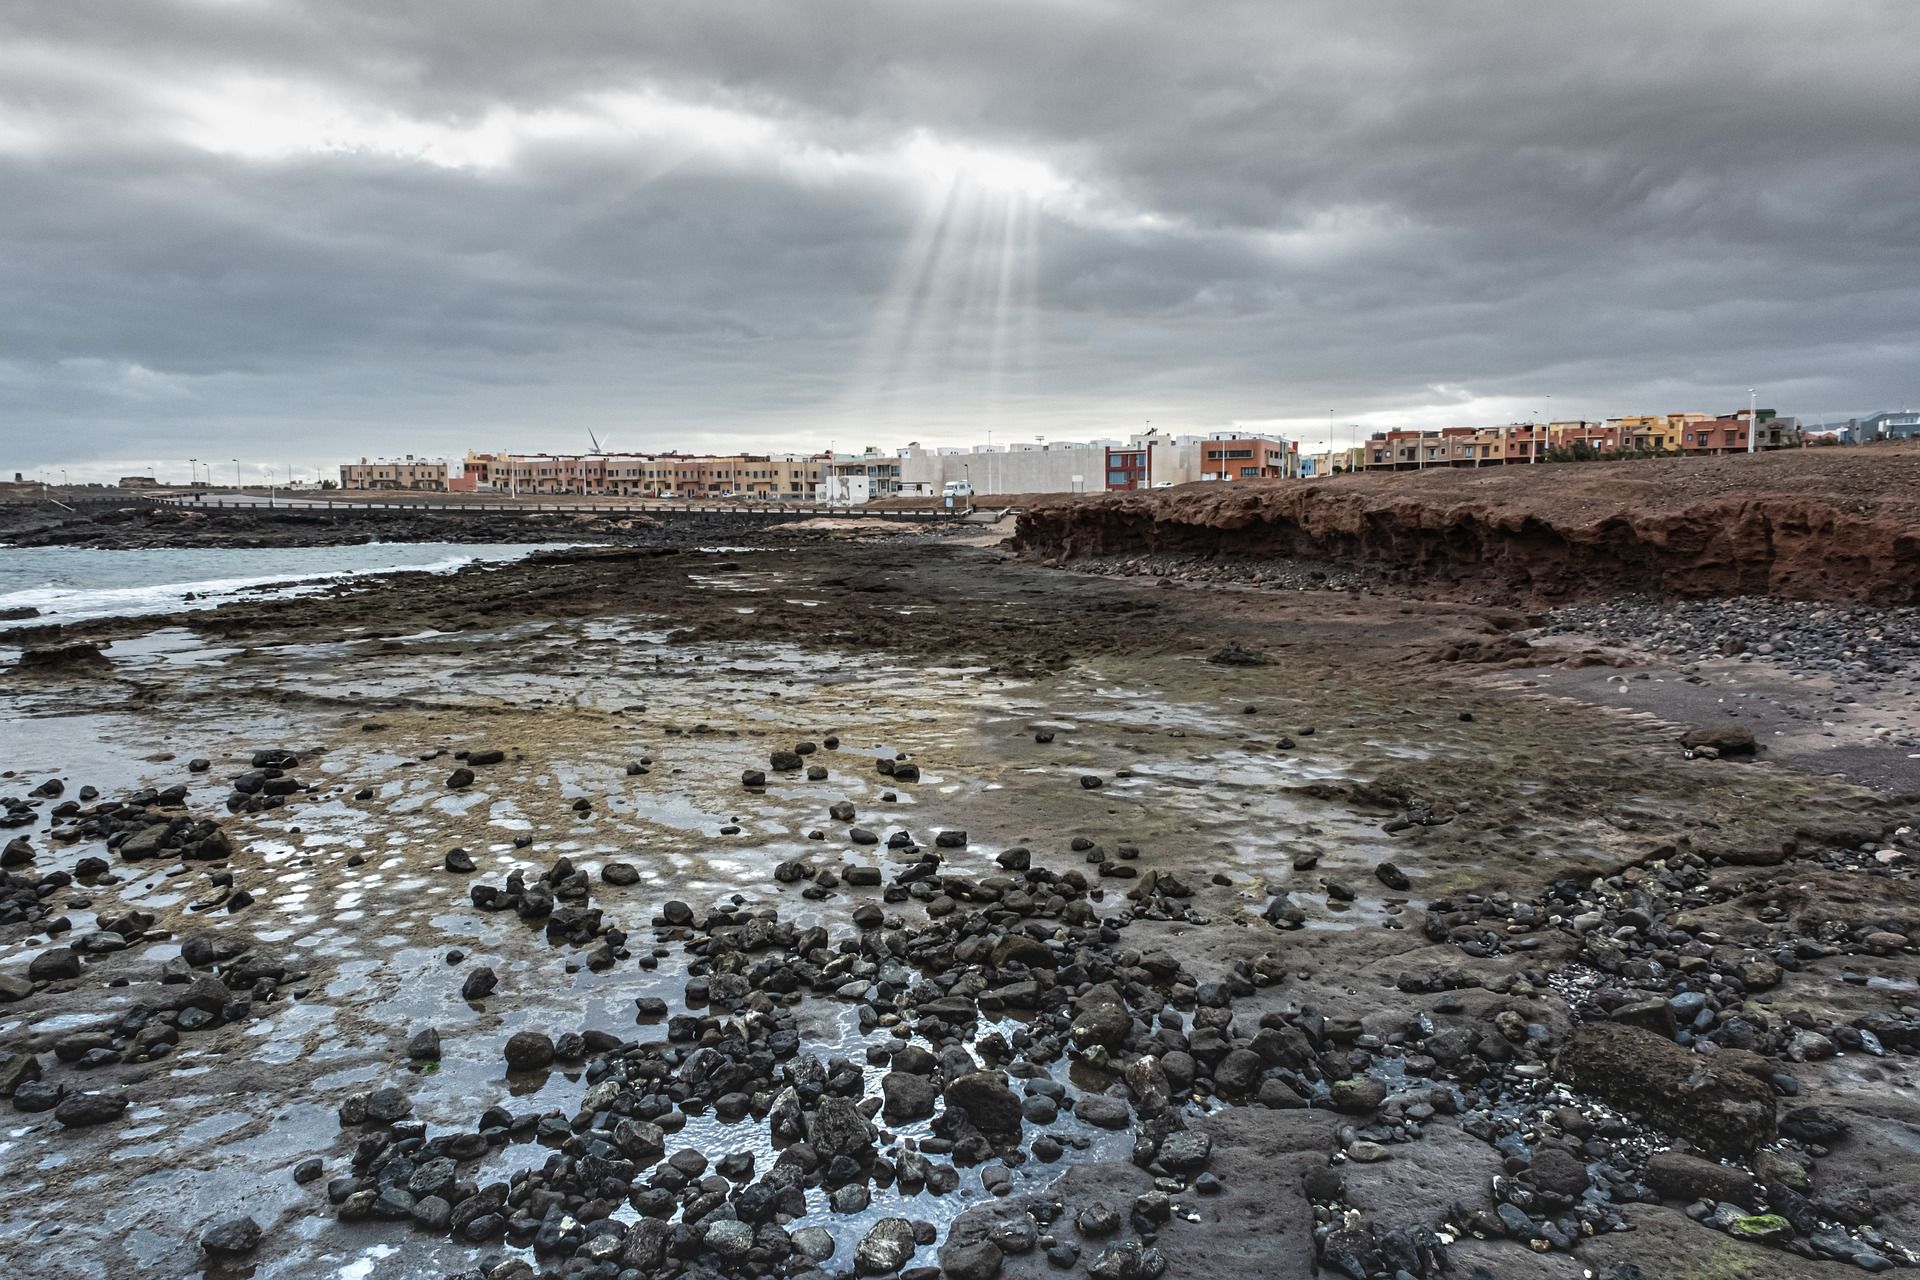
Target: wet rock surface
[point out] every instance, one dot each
(1326, 972)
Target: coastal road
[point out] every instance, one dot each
(216, 500)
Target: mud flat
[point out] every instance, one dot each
(822, 907)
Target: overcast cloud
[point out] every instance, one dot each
(297, 231)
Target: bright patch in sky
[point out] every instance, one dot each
(995, 172)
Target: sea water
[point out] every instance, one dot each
(68, 584)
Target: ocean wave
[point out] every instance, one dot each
(55, 604)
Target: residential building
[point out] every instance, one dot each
(1523, 442)
(1654, 432)
(1026, 467)
(1328, 462)
(1237, 457)
(882, 470)
(396, 473)
(844, 489)
(1148, 459)
(1143, 460)
(1127, 466)
(786, 477)
(1406, 450)
(1600, 437)
(1690, 433)
(1728, 433)
(476, 474)
(780, 477)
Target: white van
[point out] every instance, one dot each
(956, 489)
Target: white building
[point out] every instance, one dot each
(1057, 467)
(1146, 460)
(844, 490)
(880, 470)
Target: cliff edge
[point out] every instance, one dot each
(1833, 524)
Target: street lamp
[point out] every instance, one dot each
(193, 472)
(236, 474)
(1753, 420)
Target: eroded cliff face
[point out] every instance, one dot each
(1832, 547)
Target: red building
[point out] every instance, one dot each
(1128, 468)
(1725, 434)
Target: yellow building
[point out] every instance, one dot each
(396, 473)
(1658, 432)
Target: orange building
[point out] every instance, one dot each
(1241, 458)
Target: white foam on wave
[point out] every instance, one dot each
(74, 604)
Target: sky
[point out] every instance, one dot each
(289, 233)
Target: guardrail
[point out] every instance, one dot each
(769, 510)
(74, 502)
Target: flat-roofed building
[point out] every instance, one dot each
(396, 473)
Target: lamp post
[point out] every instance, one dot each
(1753, 420)
(193, 472)
(236, 474)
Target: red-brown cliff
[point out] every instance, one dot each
(1839, 524)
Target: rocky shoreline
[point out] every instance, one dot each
(146, 525)
(1013, 995)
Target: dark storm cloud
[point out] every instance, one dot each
(325, 229)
